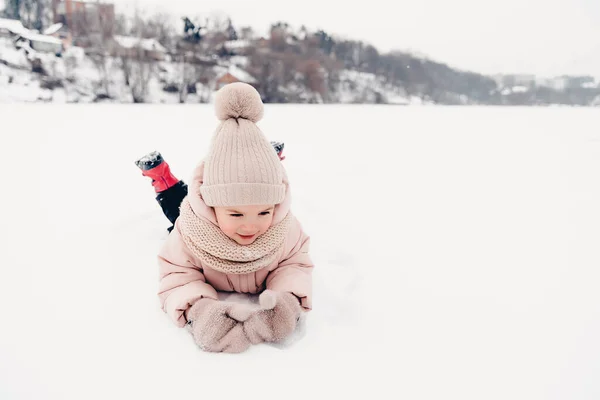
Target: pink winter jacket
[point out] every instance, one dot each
(184, 280)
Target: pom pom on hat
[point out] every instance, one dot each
(238, 100)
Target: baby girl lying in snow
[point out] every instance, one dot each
(236, 233)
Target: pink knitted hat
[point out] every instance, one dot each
(241, 167)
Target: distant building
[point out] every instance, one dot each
(88, 21)
(60, 31)
(564, 82)
(41, 43)
(237, 47)
(198, 59)
(11, 28)
(234, 74)
(127, 46)
(511, 80)
(575, 82)
(27, 39)
(559, 83)
(544, 82)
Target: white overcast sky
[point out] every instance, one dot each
(546, 37)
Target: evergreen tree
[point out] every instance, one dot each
(231, 32)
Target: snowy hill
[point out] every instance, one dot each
(27, 75)
(456, 254)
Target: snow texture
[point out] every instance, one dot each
(456, 254)
(12, 25)
(130, 42)
(42, 38)
(52, 29)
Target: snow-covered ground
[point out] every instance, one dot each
(456, 254)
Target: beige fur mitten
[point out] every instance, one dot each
(276, 319)
(217, 325)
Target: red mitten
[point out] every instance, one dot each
(276, 320)
(217, 325)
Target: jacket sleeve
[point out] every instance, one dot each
(294, 272)
(181, 282)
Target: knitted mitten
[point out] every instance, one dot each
(277, 318)
(217, 325)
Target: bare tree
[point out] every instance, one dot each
(185, 76)
(270, 70)
(160, 26)
(70, 62)
(278, 36)
(138, 70)
(126, 67)
(43, 8)
(34, 14)
(247, 33)
(142, 70)
(121, 25)
(137, 67)
(314, 78)
(188, 53)
(137, 64)
(217, 22)
(95, 31)
(13, 9)
(28, 13)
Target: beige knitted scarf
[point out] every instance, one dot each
(217, 251)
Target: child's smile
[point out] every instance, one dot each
(244, 224)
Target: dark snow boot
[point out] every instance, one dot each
(278, 146)
(170, 191)
(155, 167)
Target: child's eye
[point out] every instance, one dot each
(265, 213)
(235, 215)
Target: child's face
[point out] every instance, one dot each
(244, 223)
